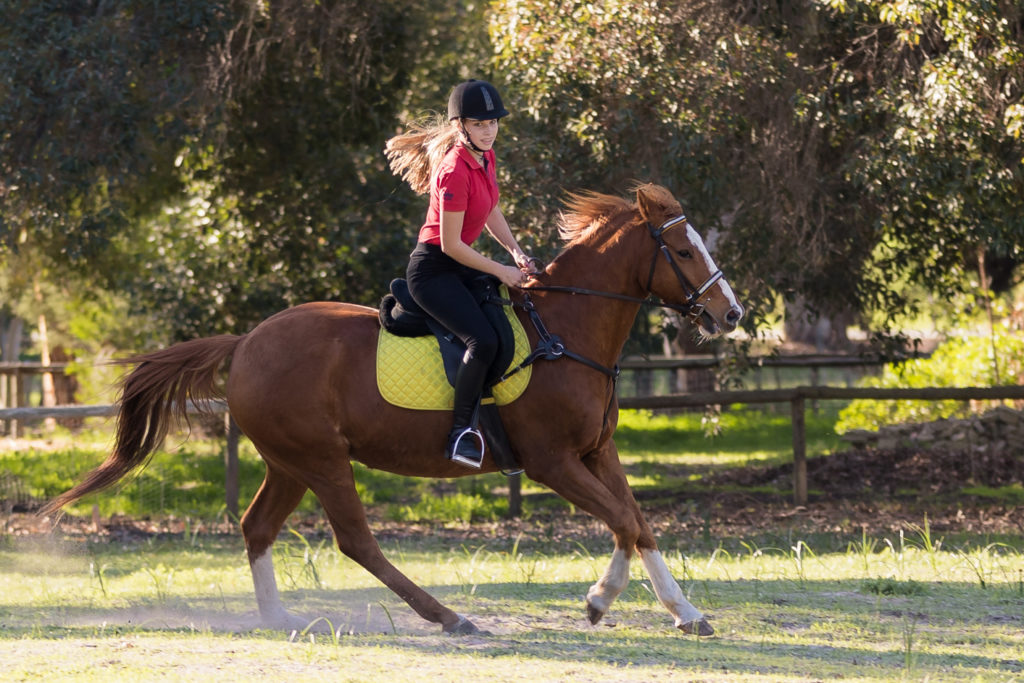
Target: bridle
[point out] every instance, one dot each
(693, 307)
(551, 347)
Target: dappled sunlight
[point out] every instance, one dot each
(882, 604)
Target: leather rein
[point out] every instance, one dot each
(551, 347)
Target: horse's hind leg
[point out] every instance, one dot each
(345, 511)
(279, 495)
(605, 465)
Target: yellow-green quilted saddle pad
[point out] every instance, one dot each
(410, 373)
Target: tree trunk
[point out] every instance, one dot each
(49, 392)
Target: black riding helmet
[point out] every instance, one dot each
(475, 99)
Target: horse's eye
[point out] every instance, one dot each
(685, 253)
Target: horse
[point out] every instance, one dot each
(301, 386)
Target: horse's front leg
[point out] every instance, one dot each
(576, 483)
(605, 466)
(688, 618)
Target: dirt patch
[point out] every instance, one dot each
(877, 491)
(869, 473)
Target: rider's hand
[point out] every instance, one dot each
(511, 276)
(526, 264)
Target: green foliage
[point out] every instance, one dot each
(961, 361)
(218, 161)
(93, 105)
(212, 162)
(810, 133)
(188, 481)
(457, 507)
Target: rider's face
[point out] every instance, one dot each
(482, 133)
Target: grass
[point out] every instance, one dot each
(178, 610)
(907, 604)
(185, 478)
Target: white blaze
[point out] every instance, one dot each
(702, 252)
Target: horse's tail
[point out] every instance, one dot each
(156, 392)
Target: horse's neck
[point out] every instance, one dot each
(590, 324)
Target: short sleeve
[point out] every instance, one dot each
(453, 190)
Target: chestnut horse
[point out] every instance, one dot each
(302, 387)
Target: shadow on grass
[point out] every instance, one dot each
(819, 628)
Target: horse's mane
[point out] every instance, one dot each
(586, 211)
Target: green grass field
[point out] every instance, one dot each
(789, 602)
(182, 608)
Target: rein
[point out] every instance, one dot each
(692, 307)
(551, 347)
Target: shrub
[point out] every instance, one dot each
(962, 361)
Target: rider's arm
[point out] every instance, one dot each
(498, 227)
(452, 245)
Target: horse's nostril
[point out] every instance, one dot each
(734, 315)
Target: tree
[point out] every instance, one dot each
(94, 102)
(218, 160)
(827, 141)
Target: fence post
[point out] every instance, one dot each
(15, 397)
(799, 451)
(515, 496)
(231, 467)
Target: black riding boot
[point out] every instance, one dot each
(466, 443)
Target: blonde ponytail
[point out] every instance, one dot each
(415, 154)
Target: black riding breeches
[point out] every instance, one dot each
(438, 283)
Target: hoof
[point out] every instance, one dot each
(594, 614)
(700, 628)
(462, 627)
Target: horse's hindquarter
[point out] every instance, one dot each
(292, 376)
(285, 366)
(304, 382)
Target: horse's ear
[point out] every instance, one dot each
(656, 204)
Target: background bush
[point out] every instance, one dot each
(966, 360)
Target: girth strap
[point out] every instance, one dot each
(550, 346)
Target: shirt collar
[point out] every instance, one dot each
(468, 157)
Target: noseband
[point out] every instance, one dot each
(693, 307)
(551, 347)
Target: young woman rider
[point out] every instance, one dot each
(455, 161)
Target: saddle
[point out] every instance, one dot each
(401, 316)
(407, 357)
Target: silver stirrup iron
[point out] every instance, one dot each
(468, 432)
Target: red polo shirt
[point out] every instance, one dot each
(461, 184)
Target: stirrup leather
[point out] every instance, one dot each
(467, 433)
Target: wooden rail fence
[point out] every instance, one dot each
(796, 397)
